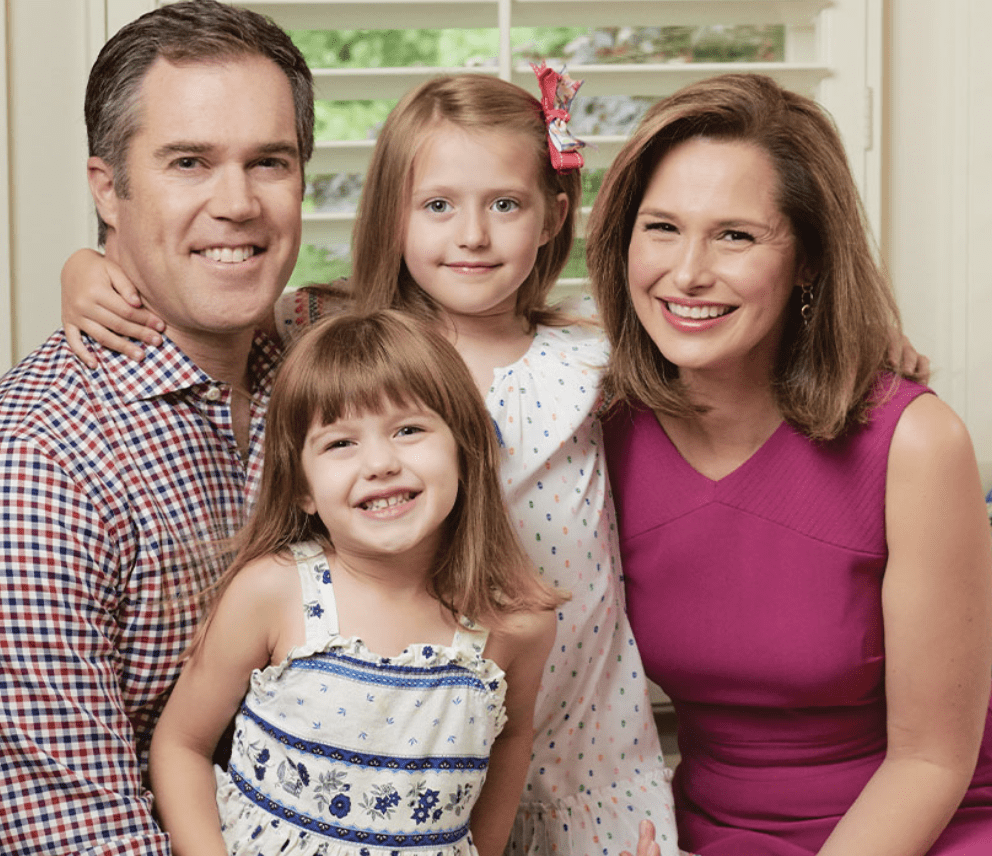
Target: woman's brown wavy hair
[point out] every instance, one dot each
(826, 370)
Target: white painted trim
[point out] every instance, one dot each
(7, 272)
(937, 222)
(977, 182)
(120, 12)
(850, 40)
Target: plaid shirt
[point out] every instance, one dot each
(113, 484)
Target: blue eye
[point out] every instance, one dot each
(505, 206)
(438, 206)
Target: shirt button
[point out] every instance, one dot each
(212, 394)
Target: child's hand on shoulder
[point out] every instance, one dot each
(99, 300)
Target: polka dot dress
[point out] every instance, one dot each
(597, 768)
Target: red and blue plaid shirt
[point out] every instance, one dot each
(114, 484)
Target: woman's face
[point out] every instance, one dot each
(712, 260)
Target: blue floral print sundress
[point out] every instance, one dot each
(340, 752)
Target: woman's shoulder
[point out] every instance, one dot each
(887, 400)
(928, 426)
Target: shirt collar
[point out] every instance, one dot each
(167, 369)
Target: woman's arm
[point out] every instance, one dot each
(938, 638)
(243, 634)
(98, 299)
(521, 650)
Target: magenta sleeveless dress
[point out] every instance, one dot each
(756, 603)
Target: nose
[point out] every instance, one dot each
(379, 458)
(691, 268)
(234, 197)
(473, 229)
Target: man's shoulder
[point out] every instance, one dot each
(49, 392)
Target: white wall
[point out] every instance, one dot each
(936, 167)
(49, 205)
(937, 221)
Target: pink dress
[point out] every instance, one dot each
(756, 603)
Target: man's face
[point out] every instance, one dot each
(211, 229)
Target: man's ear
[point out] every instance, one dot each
(101, 178)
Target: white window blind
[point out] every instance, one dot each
(622, 49)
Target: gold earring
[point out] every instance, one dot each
(806, 302)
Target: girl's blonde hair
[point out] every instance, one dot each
(472, 102)
(358, 362)
(826, 370)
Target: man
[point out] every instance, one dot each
(118, 484)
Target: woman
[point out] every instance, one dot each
(807, 559)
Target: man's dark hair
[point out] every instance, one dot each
(187, 32)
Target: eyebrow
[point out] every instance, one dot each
(728, 223)
(181, 147)
(496, 190)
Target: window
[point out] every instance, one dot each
(628, 52)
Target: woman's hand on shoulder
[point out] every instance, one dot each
(98, 299)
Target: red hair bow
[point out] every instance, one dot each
(557, 92)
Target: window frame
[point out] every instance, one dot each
(834, 52)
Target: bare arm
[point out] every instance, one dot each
(100, 301)
(242, 636)
(938, 638)
(521, 652)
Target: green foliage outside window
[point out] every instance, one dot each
(468, 49)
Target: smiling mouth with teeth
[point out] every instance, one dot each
(386, 501)
(699, 313)
(228, 255)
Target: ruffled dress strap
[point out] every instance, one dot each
(470, 638)
(319, 605)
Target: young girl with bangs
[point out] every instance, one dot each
(380, 634)
(466, 220)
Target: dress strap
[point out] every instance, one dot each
(319, 606)
(470, 637)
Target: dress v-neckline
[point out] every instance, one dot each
(743, 466)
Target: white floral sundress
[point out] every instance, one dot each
(597, 767)
(340, 752)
